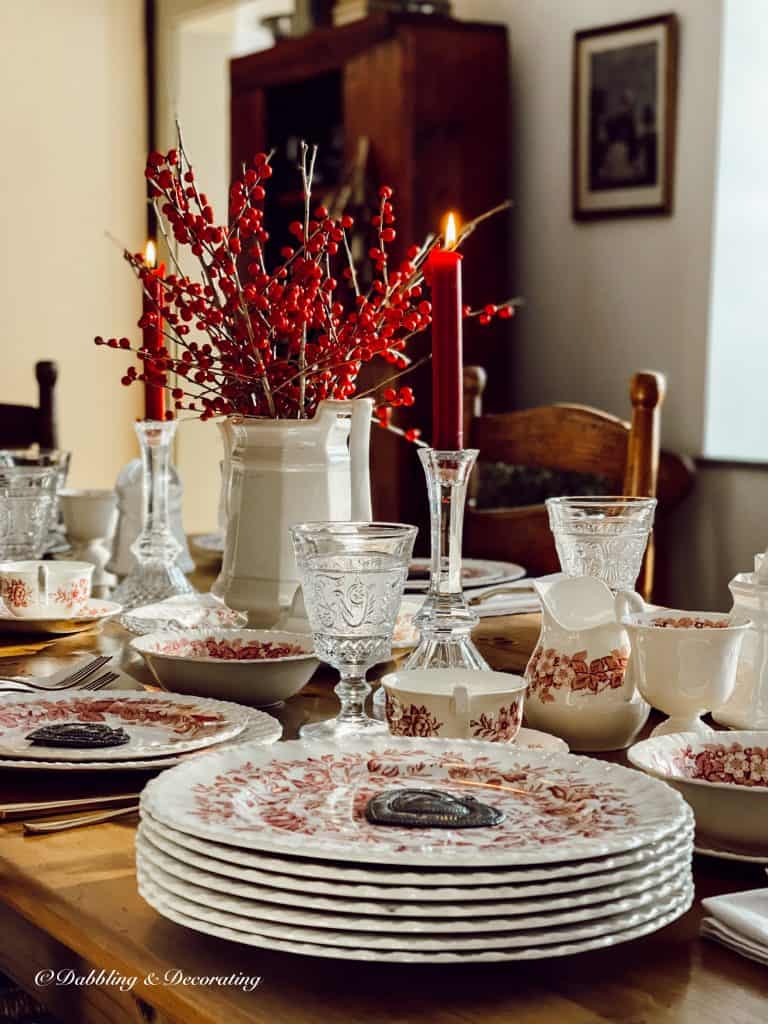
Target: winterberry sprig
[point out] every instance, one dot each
(248, 340)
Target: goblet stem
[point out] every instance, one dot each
(352, 691)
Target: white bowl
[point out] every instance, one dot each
(589, 727)
(724, 777)
(177, 664)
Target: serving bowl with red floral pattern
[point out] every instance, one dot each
(257, 667)
(723, 776)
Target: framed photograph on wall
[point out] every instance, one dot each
(624, 110)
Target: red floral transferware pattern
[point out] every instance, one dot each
(229, 650)
(183, 719)
(544, 805)
(500, 728)
(75, 593)
(16, 592)
(549, 670)
(690, 623)
(716, 762)
(414, 720)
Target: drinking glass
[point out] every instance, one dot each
(36, 457)
(352, 576)
(27, 497)
(603, 537)
(23, 527)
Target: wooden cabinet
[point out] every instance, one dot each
(431, 95)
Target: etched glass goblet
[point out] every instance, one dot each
(352, 575)
(604, 537)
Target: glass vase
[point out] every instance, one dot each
(156, 574)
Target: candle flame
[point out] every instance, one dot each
(150, 254)
(450, 231)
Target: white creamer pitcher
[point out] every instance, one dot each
(577, 683)
(283, 472)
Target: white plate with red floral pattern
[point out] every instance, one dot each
(260, 727)
(414, 915)
(475, 572)
(362, 880)
(533, 943)
(155, 724)
(94, 612)
(309, 799)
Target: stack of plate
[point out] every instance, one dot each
(270, 846)
(162, 729)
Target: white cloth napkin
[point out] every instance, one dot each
(740, 921)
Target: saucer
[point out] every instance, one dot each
(707, 847)
(93, 612)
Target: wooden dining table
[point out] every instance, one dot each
(75, 933)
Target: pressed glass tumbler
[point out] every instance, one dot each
(604, 537)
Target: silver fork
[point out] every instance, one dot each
(100, 682)
(71, 679)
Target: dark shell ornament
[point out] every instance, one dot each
(78, 735)
(430, 808)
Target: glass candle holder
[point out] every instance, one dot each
(445, 620)
(156, 574)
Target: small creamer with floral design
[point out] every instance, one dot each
(577, 675)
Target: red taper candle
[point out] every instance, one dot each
(154, 396)
(444, 270)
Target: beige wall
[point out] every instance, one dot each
(196, 39)
(606, 298)
(72, 125)
(612, 296)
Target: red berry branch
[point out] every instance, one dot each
(273, 343)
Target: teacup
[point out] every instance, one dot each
(88, 514)
(683, 663)
(52, 590)
(455, 703)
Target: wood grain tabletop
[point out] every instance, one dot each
(68, 902)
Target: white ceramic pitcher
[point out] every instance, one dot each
(577, 683)
(283, 472)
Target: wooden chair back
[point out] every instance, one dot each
(24, 425)
(572, 438)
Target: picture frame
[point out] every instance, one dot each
(623, 119)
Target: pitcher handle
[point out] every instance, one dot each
(360, 412)
(359, 459)
(628, 601)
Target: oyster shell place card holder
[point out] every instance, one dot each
(430, 808)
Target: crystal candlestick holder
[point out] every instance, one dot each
(445, 621)
(156, 574)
